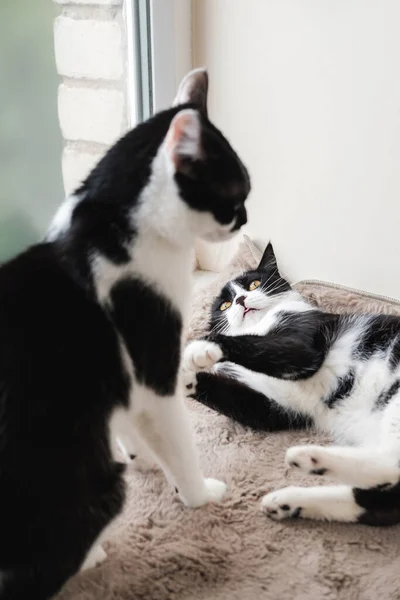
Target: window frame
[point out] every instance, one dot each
(159, 53)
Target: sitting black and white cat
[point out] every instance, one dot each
(274, 362)
(91, 322)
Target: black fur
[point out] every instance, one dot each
(294, 350)
(221, 184)
(61, 368)
(395, 354)
(379, 335)
(218, 183)
(61, 376)
(156, 364)
(251, 409)
(343, 389)
(385, 397)
(382, 507)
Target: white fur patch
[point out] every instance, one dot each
(62, 219)
(201, 355)
(266, 310)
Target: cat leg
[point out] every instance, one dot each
(125, 441)
(237, 401)
(362, 467)
(135, 453)
(359, 467)
(323, 503)
(202, 357)
(164, 424)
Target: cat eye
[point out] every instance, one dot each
(225, 305)
(254, 285)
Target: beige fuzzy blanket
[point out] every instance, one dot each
(162, 551)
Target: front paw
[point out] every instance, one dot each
(213, 491)
(201, 355)
(282, 504)
(310, 459)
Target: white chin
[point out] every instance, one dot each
(252, 318)
(218, 236)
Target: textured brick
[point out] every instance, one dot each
(76, 165)
(94, 115)
(88, 48)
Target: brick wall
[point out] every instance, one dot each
(89, 37)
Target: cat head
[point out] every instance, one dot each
(176, 168)
(211, 178)
(244, 301)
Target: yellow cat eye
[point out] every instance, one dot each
(254, 285)
(225, 305)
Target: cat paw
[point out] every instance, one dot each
(130, 457)
(201, 355)
(213, 491)
(282, 504)
(216, 489)
(309, 459)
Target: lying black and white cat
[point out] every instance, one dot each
(91, 326)
(273, 362)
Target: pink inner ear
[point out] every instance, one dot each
(183, 136)
(176, 130)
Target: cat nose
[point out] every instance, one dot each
(241, 300)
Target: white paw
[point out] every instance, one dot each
(213, 491)
(95, 557)
(216, 490)
(282, 504)
(201, 355)
(310, 459)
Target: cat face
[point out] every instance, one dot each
(244, 301)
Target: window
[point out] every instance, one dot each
(159, 46)
(67, 96)
(30, 138)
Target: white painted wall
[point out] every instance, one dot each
(308, 91)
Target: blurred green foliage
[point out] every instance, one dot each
(30, 138)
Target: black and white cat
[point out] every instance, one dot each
(274, 362)
(92, 322)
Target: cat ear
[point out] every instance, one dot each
(194, 88)
(268, 259)
(183, 140)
